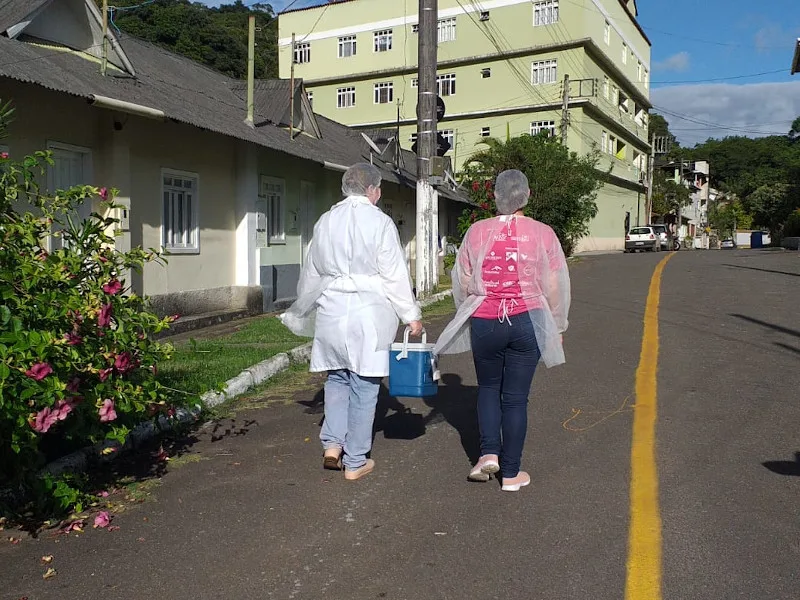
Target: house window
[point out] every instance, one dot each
(624, 54)
(412, 138)
(639, 70)
(446, 84)
(447, 30)
(384, 93)
(347, 46)
(612, 144)
(615, 94)
(302, 53)
(485, 15)
(607, 33)
(545, 13)
(604, 142)
(486, 73)
(310, 95)
(180, 232)
(449, 135)
(383, 40)
(646, 78)
(544, 71)
(538, 127)
(414, 82)
(606, 87)
(621, 150)
(623, 102)
(415, 28)
(273, 192)
(346, 97)
(486, 131)
(72, 165)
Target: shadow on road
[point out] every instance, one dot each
(788, 347)
(762, 270)
(785, 467)
(454, 404)
(786, 330)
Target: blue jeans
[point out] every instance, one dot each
(350, 402)
(505, 355)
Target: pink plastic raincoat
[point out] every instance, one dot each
(544, 281)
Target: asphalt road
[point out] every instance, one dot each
(247, 512)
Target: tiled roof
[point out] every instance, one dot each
(14, 11)
(189, 93)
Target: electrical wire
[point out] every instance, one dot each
(720, 78)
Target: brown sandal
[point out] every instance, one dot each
(332, 459)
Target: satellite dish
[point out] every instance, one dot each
(372, 144)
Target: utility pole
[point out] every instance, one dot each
(104, 62)
(251, 69)
(650, 171)
(565, 112)
(291, 93)
(427, 230)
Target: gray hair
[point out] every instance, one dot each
(358, 178)
(511, 191)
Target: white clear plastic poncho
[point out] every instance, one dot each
(544, 280)
(353, 290)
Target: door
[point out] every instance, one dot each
(306, 215)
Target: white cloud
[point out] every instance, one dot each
(751, 110)
(677, 62)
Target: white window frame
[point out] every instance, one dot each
(624, 53)
(346, 41)
(310, 96)
(606, 87)
(414, 82)
(383, 98)
(342, 94)
(382, 40)
(412, 137)
(639, 70)
(193, 245)
(607, 34)
(302, 53)
(446, 84)
(446, 30)
(538, 126)
(484, 15)
(415, 28)
(450, 136)
(646, 78)
(544, 72)
(486, 72)
(604, 142)
(545, 13)
(275, 210)
(486, 132)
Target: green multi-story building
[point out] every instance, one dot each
(501, 69)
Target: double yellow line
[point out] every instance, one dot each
(643, 580)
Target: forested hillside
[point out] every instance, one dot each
(214, 36)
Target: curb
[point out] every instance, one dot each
(255, 375)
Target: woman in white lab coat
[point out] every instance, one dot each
(353, 292)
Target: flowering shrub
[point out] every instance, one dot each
(77, 356)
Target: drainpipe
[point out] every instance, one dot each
(291, 95)
(251, 69)
(126, 107)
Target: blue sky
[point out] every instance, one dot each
(697, 41)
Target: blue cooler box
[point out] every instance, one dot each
(413, 372)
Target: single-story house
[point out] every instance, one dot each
(233, 203)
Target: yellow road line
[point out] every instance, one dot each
(643, 580)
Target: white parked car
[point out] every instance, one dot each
(642, 238)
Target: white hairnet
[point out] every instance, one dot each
(511, 191)
(358, 178)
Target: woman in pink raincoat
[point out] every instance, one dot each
(512, 291)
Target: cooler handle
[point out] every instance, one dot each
(404, 353)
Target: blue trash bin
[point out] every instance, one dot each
(757, 239)
(413, 372)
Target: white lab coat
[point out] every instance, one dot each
(354, 290)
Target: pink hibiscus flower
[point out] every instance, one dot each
(107, 412)
(104, 318)
(73, 339)
(113, 287)
(124, 362)
(39, 371)
(104, 373)
(44, 420)
(104, 193)
(4, 155)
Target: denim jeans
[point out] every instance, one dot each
(505, 355)
(350, 402)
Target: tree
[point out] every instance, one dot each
(728, 217)
(564, 185)
(668, 195)
(794, 132)
(213, 36)
(772, 204)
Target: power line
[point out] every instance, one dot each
(720, 78)
(710, 125)
(713, 42)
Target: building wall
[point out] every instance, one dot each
(506, 102)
